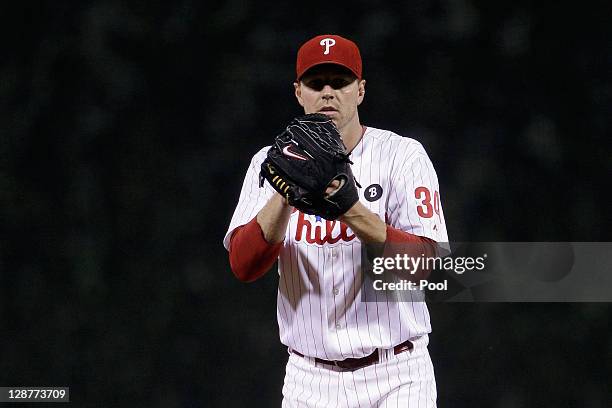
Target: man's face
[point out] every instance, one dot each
(332, 90)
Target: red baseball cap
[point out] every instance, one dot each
(328, 49)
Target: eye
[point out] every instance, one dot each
(339, 83)
(316, 84)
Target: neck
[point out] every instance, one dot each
(351, 134)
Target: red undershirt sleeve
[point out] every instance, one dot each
(250, 255)
(419, 247)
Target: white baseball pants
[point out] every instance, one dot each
(402, 380)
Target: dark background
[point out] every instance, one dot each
(125, 132)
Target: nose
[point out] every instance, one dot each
(327, 92)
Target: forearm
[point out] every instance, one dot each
(368, 227)
(255, 246)
(273, 219)
(384, 240)
(250, 255)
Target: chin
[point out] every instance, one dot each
(339, 125)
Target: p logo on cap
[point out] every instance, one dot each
(328, 49)
(327, 42)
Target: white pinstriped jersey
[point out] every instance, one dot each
(319, 310)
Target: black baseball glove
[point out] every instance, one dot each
(304, 160)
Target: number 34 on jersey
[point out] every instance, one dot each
(428, 203)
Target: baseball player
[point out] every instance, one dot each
(343, 351)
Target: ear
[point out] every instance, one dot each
(298, 93)
(361, 91)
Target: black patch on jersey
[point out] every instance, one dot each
(373, 192)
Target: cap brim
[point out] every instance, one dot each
(328, 62)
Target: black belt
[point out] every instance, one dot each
(352, 364)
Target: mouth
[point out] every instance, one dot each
(328, 110)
